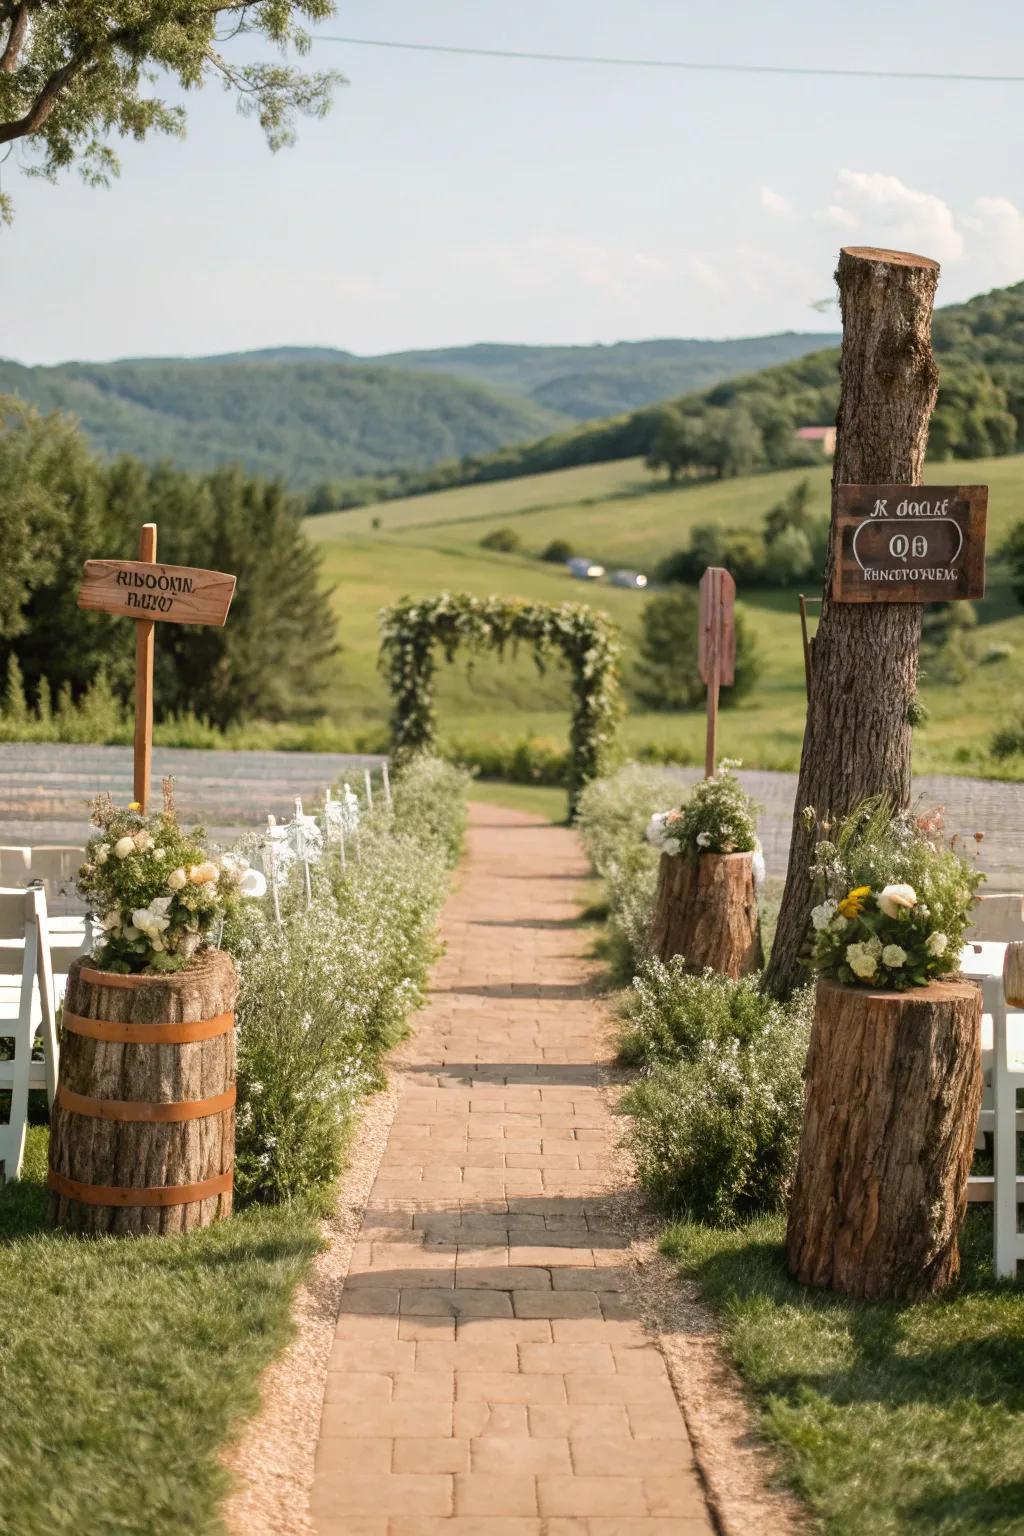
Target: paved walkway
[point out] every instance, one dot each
(487, 1374)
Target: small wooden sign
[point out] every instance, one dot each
(716, 647)
(136, 589)
(716, 635)
(909, 543)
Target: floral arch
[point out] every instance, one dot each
(412, 629)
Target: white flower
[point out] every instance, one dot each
(151, 923)
(893, 956)
(102, 853)
(894, 899)
(143, 841)
(111, 919)
(937, 944)
(160, 905)
(671, 845)
(822, 916)
(123, 847)
(131, 932)
(176, 879)
(253, 883)
(234, 864)
(205, 873)
(656, 828)
(861, 961)
(160, 854)
(704, 839)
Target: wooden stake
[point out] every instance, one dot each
(144, 633)
(711, 745)
(716, 647)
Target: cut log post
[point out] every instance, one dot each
(1013, 974)
(143, 1130)
(706, 910)
(893, 1092)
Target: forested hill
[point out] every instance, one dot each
(313, 414)
(303, 421)
(748, 423)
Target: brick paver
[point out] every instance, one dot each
(488, 1374)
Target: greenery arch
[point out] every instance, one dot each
(587, 639)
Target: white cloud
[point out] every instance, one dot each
(997, 228)
(708, 275)
(894, 215)
(774, 201)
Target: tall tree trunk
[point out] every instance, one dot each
(864, 655)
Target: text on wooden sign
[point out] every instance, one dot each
(909, 543)
(137, 589)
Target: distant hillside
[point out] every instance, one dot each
(305, 421)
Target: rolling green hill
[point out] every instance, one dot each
(313, 414)
(615, 513)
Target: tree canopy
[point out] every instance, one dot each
(74, 73)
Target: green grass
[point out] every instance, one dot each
(538, 799)
(618, 513)
(893, 1420)
(126, 1364)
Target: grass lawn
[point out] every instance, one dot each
(893, 1421)
(618, 513)
(538, 799)
(126, 1364)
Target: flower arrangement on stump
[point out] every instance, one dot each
(896, 900)
(157, 892)
(718, 816)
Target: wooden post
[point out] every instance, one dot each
(705, 910)
(716, 648)
(145, 630)
(858, 735)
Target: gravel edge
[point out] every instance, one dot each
(272, 1463)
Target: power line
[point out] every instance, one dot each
(679, 64)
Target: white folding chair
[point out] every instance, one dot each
(998, 918)
(14, 866)
(27, 1009)
(55, 868)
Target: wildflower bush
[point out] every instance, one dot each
(612, 817)
(718, 816)
(324, 995)
(411, 632)
(896, 900)
(156, 891)
(715, 1120)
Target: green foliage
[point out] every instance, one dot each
(948, 643)
(1012, 551)
(558, 552)
(896, 899)
(505, 540)
(791, 547)
(271, 660)
(717, 816)
(78, 71)
(1008, 740)
(324, 996)
(716, 1122)
(585, 639)
(667, 676)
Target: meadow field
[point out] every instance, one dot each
(620, 515)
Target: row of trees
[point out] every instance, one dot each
(790, 546)
(60, 507)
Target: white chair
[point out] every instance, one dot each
(14, 866)
(56, 867)
(999, 918)
(27, 1009)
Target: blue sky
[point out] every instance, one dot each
(449, 200)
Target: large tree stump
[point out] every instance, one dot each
(143, 1130)
(706, 910)
(893, 1093)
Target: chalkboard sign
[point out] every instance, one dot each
(909, 543)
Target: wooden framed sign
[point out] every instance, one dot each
(716, 647)
(138, 589)
(909, 543)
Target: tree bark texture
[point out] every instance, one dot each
(145, 1114)
(706, 911)
(1013, 974)
(893, 1092)
(864, 656)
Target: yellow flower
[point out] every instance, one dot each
(852, 904)
(135, 806)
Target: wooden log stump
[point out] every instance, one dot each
(706, 910)
(893, 1093)
(143, 1131)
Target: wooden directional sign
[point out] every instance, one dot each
(139, 590)
(909, 543)
(145, 591)
(716, 646)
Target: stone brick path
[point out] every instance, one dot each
(487, 1374)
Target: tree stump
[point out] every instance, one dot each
(143, 1131)
(706, 910)
(893, 1093)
